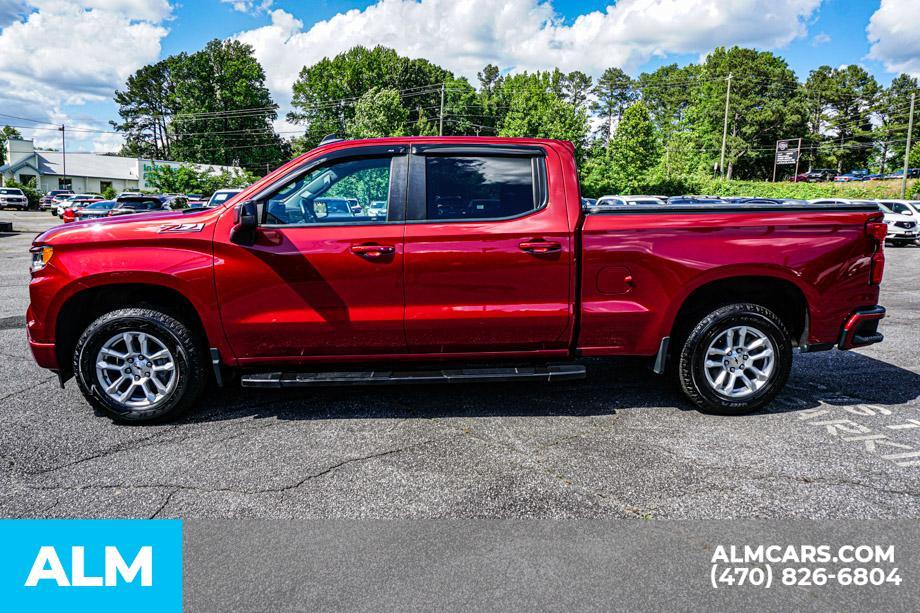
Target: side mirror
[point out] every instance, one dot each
(247, 222)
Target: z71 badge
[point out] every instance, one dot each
(181, 227)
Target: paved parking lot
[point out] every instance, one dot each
(843, 441)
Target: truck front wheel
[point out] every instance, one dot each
(139, 365)
(736, 359)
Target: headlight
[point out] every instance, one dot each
(40, 256)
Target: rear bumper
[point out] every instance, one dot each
(861, 328)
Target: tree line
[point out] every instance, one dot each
(643, 133)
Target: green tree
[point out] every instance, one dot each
(615, 90)
(186, 179)
(326, 94)
(765, 105)
(892, 111)
(210, 106)
(147, 106)
(634, 150)
(849, 98)
(668, 93)
(534, 110)
(6, 132)
(576, 88)
(378, 113)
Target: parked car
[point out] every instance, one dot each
(157, 305)
(128, 194)
(377, 208)
(849, 177)
(815, 175)
(130, 205)
(67, 202)
(195, 200)
(695, 200)
(912, 173)
(13, 198)
(96, 210)
(902, 220)
(48, 200)
(74, 206)
(221, 196)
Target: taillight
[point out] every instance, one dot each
(877, 231)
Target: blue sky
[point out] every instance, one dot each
(62, 59)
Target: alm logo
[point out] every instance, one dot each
(48, 567)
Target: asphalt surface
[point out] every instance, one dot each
(623, 443)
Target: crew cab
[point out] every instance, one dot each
(480, 265)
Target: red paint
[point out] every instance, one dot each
(455, 290)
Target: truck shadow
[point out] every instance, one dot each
(836, 378)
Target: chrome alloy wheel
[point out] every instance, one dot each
(136, 369)
(739, 361)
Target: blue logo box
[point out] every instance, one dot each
(91, 565)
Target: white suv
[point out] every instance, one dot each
(902, 217)
(14, 198)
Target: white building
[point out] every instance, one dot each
(85, 172)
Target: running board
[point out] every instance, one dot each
(555, 372)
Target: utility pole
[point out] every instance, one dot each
(728, 91)
(64, 154)
(441, 123)
(910, 129)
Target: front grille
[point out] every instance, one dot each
(907, 225)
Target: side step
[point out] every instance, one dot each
(552, 372)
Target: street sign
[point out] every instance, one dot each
(787, 153)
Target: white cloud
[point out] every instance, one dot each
(822, 38)
(60, 52)
(527, 34)
(893, 36)
(253, 7)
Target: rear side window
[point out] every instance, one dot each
(480, 187)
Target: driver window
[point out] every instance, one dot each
(349, 191)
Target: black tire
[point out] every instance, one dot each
(900, 243)
(691, 367)
(183, 343)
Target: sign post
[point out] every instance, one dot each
(786, 154)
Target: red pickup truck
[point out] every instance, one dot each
(446, 259)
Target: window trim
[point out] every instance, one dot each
(417, 206)
(396, 211)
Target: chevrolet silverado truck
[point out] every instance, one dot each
(458, 259)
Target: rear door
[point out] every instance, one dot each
(323, 278)
(488, 250)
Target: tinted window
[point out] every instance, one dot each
(10, 192)
(341, 192)
(478, 187)
(899, 208)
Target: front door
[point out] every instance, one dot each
(488, 251)
(325, 275)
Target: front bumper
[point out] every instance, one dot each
(861, 328)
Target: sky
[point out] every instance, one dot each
(62, 60)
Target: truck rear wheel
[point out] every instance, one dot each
(736, 359)
(139, 365)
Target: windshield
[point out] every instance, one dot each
(140, 205)
(10, 192)
(898, 207)
(104, 204)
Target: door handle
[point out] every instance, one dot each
(540, 247)
(373, 251)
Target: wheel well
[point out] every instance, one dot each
(83, 308)
(780, 296)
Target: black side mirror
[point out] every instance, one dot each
(247, 222)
